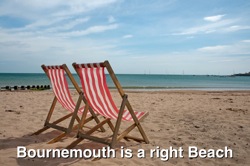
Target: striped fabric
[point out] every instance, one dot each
(93, 80)
(60, 87)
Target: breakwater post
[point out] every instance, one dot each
(28, 87)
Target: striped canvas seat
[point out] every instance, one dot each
(94, 84)
(60, 88)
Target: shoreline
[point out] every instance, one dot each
(140, 89)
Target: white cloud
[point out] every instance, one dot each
(213, 48)
(220, 26)
(44, 22)
(216, 25)
(213, 18)
(34, 9)
(90, 30)
(49, 23)
(238, 48)
(78, 6)
(53, 50)
(127, 36)
(43, 40)
(246, 41)
(68, 25)
(236, 28)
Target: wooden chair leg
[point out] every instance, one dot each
(52, 107)
(112, 127)
(118, 122)
(138, 124)
(125, 133)
(51, 110)
(74, 115)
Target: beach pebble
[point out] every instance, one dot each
(17, 112)
(9, 111)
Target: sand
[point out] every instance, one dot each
(178, 119)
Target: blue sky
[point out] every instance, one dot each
(136, 36)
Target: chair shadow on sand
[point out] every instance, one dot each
(13, 142)
(65, 161)
(27, 140)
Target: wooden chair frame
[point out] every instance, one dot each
(74, 115)
(115, 129)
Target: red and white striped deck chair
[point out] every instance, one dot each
(57, 76)
(98, 96)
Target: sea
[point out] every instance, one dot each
(142, 82)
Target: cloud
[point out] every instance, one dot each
(246, 41)
(57, 18)
(215, 24)
(237, 48)
(43, 22)
(48, 31)
(213, 18)
(40, 8)
(127, 36)
(213, 48)
(54, 24)
(77, 6)
(208, 28)
(68, 25)
(90, 30)
(234, 28)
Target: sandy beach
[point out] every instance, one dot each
(178, 119)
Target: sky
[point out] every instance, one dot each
(136, 36)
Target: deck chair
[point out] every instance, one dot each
(60, 87)
(98, 97)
